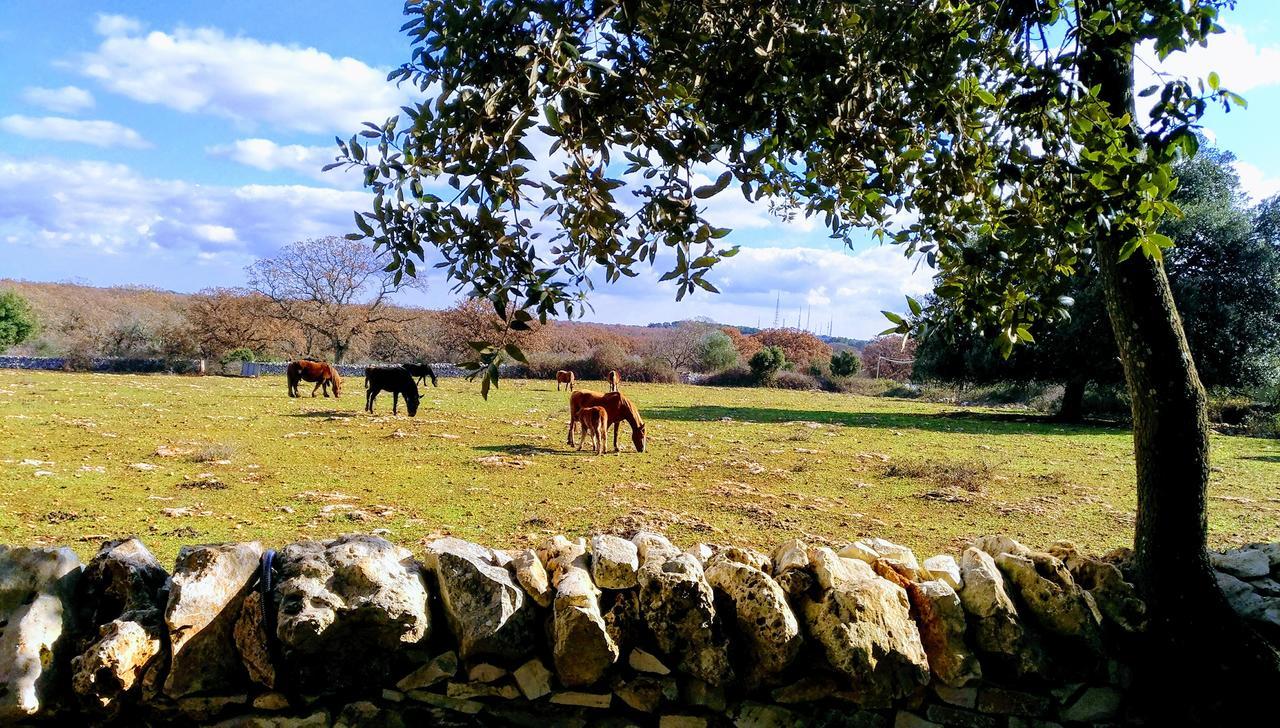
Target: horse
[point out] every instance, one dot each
(421, 372)
(396, 380)
(616, 406)
(564, 377)
(594, 420)
(309, 370)
(613, 380)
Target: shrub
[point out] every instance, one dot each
(846, 363)
(766, 363)
(734, 376)
(652, 370)
(605, 358)
(716, 352)
(794, 380)
(17, 320)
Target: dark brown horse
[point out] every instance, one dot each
(420, 372)
(617, 406)
(396, 380)
(307, 370)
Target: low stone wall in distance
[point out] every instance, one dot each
(263, 368)
(105, 364)
(358, 631)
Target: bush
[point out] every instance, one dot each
(846, 363)
(605, 358)
(734, 376)
(716, 352)
(794, 380)
(234, 357)
(766, 363)
(17, 320)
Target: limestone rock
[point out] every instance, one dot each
(642, 661)
(487, 611)
(469, 690)
(764, 620)
(253, 641)
(317, 719)
(533, 678)
(944, 567)
(702, 552)
(996, 625)
(345, 607)
(940, 617)
(1095, 705)
(831, 570)
(581, 648)
(1116, 598)
(1000, 544)
(532, 576)
(442, 666)
(761, 715)
(864, 628)
(208, 587)
(121, 599)
(655, 546)
(1244, 563)
(678, 607)
(895, 553)
(36, 624)
(614, 562)
(1272, 551)
(740, 555)
(583, 700)
(645, 693)
(790, 555)
(861, 551)
(1052, 597)
(203, 708)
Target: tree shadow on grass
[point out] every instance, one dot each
(1261, 458)
(955, 421)
(325, 414)
(528, 449)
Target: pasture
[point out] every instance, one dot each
(180, 460)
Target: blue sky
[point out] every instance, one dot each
(169, 144)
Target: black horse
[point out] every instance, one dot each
(396, 380)
(420, 372)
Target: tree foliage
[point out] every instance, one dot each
(717, 352)
(766, 363)
(846, 363)
(17, 320)
(801, 347)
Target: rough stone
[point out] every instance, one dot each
(790, 555)
(831, 570)
(1052, 597)
(1095, 705)
(203, 708)
(682, 721)
(252, 640)
(894, 552)
(703, 694)
(761, 715)
(318, 719)
(209, 585)
(583, 700)
(581, 648)
(1244, 563)
(642, 661)
(36, 625)
(532, 577)
(458, 705)
(963, 697)
(271, 701)
(533, 678)
(940, 617)
(861, 551)
(1000, 544)
(614, 562)
(653, 546)
(961, 718)
(864, 628)
(486, 673)
(907, 719)
(468, 690)
(808, 689)
(441, 667)
(764, 620)
(345, 607)
(702, 552)
(677, 605)
(1272, 551)
(996, 626)
(1117, 599)
(120, 601)
(943, 567)
(1001, 701)
(645, 693)
(488, 613)
(740, 555)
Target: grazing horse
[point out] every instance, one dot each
(613, 380)
(309, 370)
(594, 420)
(616, 406)
(564, 377)
(420, 372)
(396, 380)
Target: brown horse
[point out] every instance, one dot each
(594, 421)
(564, 377)
(613, 380)
(321, 372)
(616, 406)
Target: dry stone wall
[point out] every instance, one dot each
(358, 631)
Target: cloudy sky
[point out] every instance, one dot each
(170, 144)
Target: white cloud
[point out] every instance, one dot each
(268, 156)
(109, 25)
(55, 204)
(1255, 182)
(1242, 65)
(65, 100)
(59, 129)
(203, 70)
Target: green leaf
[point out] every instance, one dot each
(894, 318)
(715, 188)
(515, 353)
(1025, 335)
(986, 96)
(914, 305)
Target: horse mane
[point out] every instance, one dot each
(632, 413)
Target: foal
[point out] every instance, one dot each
(594, 420)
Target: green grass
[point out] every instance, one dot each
(750, 466)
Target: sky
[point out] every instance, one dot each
(171, 144)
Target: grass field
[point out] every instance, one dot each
(188, 460)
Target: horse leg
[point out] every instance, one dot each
(368, 400)
(571, 425)
(615, 436)
(315, 388)
(325, 388)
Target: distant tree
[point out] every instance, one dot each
(746, 346)
(334, 289)
(846, 363)
(679, 345)
(717, 352)
(17, 320)
(766, 363)
(886, 357)
(472, 320)
(801, 347)
(225, 319)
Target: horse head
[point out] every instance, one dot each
(336, 379)
(411, 400)
(637, 437)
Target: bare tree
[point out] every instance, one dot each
(680, 345)
(332, 288)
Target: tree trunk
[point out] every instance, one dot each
(1200, 660)
(1072, 407)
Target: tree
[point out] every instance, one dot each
(717, 352)
(225, 319)
(889, 357)
(471, 320)
(766, 363)
(680, 346)
(1225, 278)
(963, 115)
(801, 347)
(17, 320)
(746, 346)
(333, 289)
(846, 363)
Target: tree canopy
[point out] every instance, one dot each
(17, 320)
